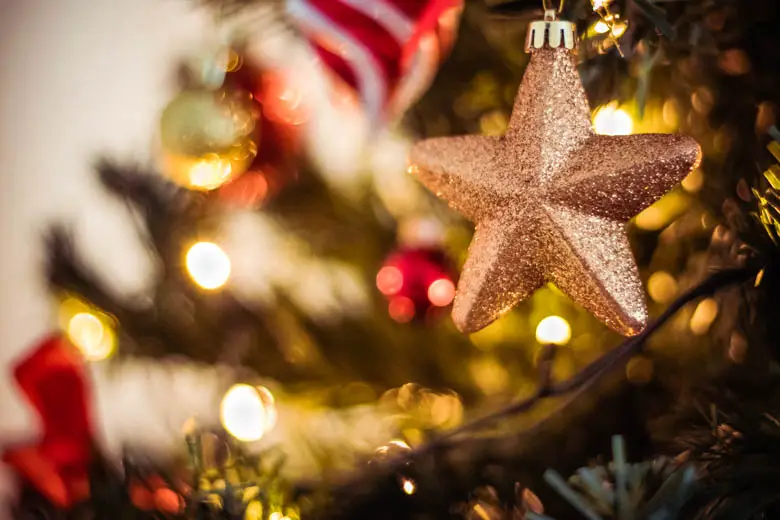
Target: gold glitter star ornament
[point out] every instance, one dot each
(551, 197)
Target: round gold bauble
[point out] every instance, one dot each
(208, 137)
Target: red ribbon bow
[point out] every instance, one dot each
(53, 380)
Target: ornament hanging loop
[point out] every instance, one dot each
(555, 12)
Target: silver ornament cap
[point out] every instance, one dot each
(551, 32)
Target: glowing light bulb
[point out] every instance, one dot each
(208, 265)
(95, 339)
(401, 309)
(662, 287)
(611, 120)
(389, 280)
(553, 330)
(694, 181)
(703, 316)
(408, 486)
(652, 218)
(441, 292)
(210, 173)
(601, 27)
(254, 511)
(244, 414)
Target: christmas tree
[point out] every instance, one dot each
(300, 318)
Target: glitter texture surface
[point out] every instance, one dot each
(550, 200)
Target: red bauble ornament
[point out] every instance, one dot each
(282, 112)
(418, 283)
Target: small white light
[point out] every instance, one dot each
(243, 413)
(95, 339)
(210, 173)
(553, 330)
(610, 120)
(208, 265)
(705, 313)
(441, 292)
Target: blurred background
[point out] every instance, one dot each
(212, 206)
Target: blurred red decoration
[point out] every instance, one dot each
(168, 500)
(52, 379)
(282, 112)
(387, 51)
(141, 495)
(418, 283)
(154, 494)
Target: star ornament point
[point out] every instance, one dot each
(550, 200)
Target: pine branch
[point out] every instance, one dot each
(606, 363)
(179, 318)
(571, 388)
(67, 273)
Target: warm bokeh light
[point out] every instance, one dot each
(389, 280)
(694, 181)
(408, 486)
(611, 120)
(209, 173)
(254, 511)
(663, 212)
(508, 328)
(489, 375)
(670, 113)
(93, 336)
(247, 191)
(651, 218)
(553, 330)
(282, 101)
(208, 137)
(244, 414)
(421, 232)
(208, 265)
(493, 123)
(662, 287)
(639, 370)
(445, 410)
(441, 292)
(609, 26)
(703, 316)
(401, 309)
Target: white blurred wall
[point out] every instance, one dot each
(78, 78)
